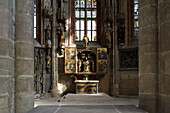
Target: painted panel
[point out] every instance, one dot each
(102, 60)
(70, 61)
(70, 66)
(70, 53)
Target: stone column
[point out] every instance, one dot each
(114, 55)
(7, 19)
(24, 54)
(164, 56)
(148, 55)
(54, 91)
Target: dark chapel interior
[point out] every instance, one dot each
(107, 54)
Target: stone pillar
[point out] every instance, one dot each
(164, 56)
(114, 54)
(148, 55)
(24, 54)
(7, 19)
(54, 91)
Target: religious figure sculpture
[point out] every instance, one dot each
(62, 35)
(108, 32)
(79, 65)
(48, 36)
(86, 40)
(86, 64)
(48, 63)
(61, 38)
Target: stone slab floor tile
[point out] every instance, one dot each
(128, 109)
(76, 103)
(44, 109)
(87, 109)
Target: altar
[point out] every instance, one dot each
(86, 64)
(86, 86)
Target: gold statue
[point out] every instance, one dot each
(89, 55)
(86, 40)
(79, 63)
(86, 64)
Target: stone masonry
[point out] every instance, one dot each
(24, 56)
(154, 55)
(164, 55)
(16, 56)
(148, 55)
(7, 56)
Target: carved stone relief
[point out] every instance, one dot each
(128, 58)
(42, 73)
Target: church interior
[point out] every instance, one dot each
(85, 56)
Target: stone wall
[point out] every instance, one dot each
(164, 55)
(124, 81)
(16, 57)
(128, 82)
(7, 19)
(148, 55)
(154, 52)
(104, 84)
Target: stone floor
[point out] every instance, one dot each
(78, 103)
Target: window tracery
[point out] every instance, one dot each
(85, 20)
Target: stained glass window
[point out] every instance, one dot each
(136, 23)
(82, 4)
(85, 19)
(35, 20)
(94, 14)
(88, 24)
(82, 14)
(76, 3)
(94, 4)
(89, 3)
(94, 25)
(88, 14)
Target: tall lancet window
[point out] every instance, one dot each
(35, 20)
(136, 23)
(85, 20)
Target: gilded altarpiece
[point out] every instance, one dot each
(70, 60)
(85, 61)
